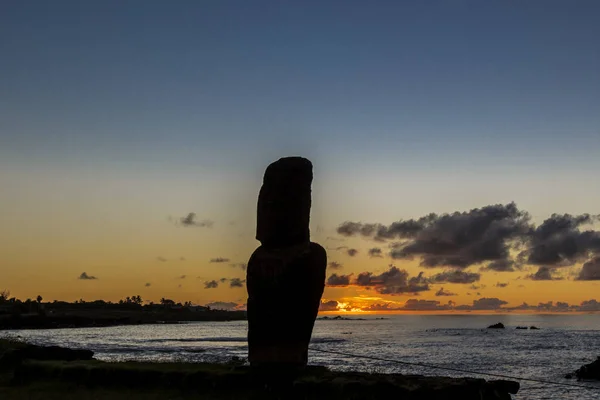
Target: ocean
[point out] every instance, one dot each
(561, 345)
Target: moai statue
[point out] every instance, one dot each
(286, 274)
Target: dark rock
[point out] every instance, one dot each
(521, 327)
(589, 371)
(499, 325)
(569, 376)
(533, 327)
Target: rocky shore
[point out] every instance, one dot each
(30, 365)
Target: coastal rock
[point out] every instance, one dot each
(499, 325)
(521, 327)
(589, 371)
(533, 327)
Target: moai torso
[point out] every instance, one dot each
(286, 274)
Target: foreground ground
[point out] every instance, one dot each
(31, 372)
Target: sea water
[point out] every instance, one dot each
(561, 345)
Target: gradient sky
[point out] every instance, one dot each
(117, 118)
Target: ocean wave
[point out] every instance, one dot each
(192, 340)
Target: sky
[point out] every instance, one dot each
(120, 118)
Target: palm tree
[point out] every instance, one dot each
(39, 299)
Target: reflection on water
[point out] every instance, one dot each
(563, 344)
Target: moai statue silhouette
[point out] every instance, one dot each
(286, 274)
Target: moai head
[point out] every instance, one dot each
(283, 212)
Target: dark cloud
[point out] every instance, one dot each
(543, 274)
(443, 292)
(338, 248)
(460, 239)
(330, 305)
(148, 284)
(236, 282)
(223, 280)
(335, 265)
(182, 277)
(219, 260)
(501, 266)
(242, 266)
(484, 303)
(558, 241)
(84, 276)
(502, 284)
(222, 305)
(427, 305)
(477, 287)
(375, 252)
(211, 284)
(590, 270)
(190, 220)
(589, 305)
(352, 252)
(161, 259)
(549, 306)
(393, 281)
(339, 280)
(456, 277)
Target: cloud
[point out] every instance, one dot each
(236, 282)
(393, 281)
(161, 259)
(211, 284)
(179, 286)
(477, 287)
(484, 303)
(426, 305)
(443, 292)
(335, 265)
(339, 280)
(352, 252)
(222, 305)
(590, 270)
(181, 258)
(460, 239)
(543, 274)
(330, 305)
(456, 276)
(223, 280)
(589, 305)
(182, 277)
(381, 307)
(375, 252)
(501, 266)
(242, 266)
(84, 276)
(558, 241)
(190, 220)
(502, 284)
(219, 260)
(148, 284)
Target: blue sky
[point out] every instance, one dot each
(117, 112)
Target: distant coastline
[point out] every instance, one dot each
(58, 315)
